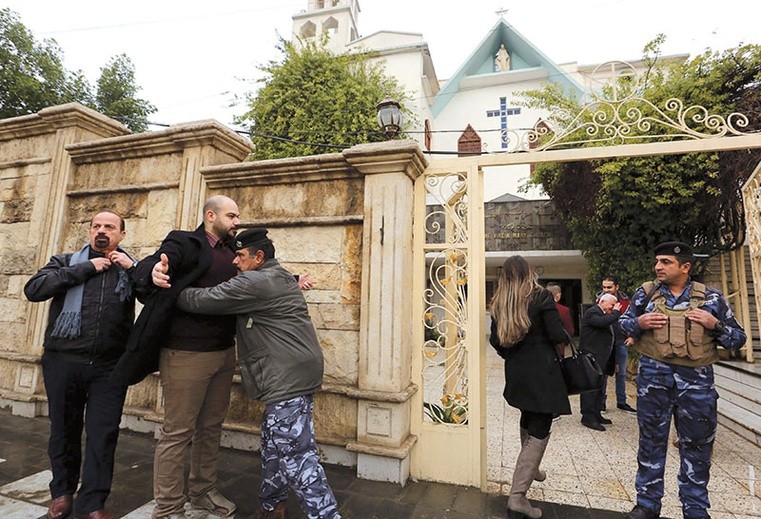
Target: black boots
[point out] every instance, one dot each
(640, 512)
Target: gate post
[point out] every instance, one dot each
(385, 389)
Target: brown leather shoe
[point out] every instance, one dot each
(60, 507)
(277, 513)
(97, 514)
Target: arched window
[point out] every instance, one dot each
(330, 26)
(308, 30)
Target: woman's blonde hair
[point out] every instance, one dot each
(509, 306)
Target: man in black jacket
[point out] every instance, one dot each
(596, 337)
(194, 354)
(621, 345)
(88, 325)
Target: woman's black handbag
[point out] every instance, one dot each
(581, 371)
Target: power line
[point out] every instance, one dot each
(294, 141)
(251, 133)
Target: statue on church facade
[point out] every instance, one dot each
(502, 58)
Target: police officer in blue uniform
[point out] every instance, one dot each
(678, 324)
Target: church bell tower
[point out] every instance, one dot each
(337, 18)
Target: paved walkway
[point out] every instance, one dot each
(591, 474)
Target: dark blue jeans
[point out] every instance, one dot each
(621, 353)
(622, 356)
(82, 396)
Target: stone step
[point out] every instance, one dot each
(740, 421)
(739, 407)
(749, 404)
(744, 384)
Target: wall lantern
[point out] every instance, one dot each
(389, 117)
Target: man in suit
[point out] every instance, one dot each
(195, 355)
(621, 347)
(597, 339)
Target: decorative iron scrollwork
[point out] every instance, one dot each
(618, 114)
(445, 352)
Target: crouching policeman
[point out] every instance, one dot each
(678, 324)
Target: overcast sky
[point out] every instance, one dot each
(193, 57)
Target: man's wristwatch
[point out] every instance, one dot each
(718, 329)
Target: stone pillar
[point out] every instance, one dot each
(384, 441)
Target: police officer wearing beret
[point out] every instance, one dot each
(281, 364)
(678, 324)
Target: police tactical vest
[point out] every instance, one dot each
(681, 341)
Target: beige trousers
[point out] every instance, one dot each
(196, 388)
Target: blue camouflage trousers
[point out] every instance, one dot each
(289, 458)
(688, 394)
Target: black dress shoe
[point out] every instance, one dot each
(597, 426)
(627, 408)
(604, 421)
(640, 512)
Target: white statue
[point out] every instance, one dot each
(502, 58)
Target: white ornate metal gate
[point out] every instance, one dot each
(449, 274)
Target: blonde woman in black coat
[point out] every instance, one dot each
(524, 330)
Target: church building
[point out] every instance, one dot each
(479, 110)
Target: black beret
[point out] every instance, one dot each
(673, 248)
(249, 237)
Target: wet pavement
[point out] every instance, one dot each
(24, 476)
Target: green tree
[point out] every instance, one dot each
(32, 77)
(617, 210)
(117, 94)
(312, 96)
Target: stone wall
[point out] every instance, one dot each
(344, 218)
(524, 225)
(518, 225)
